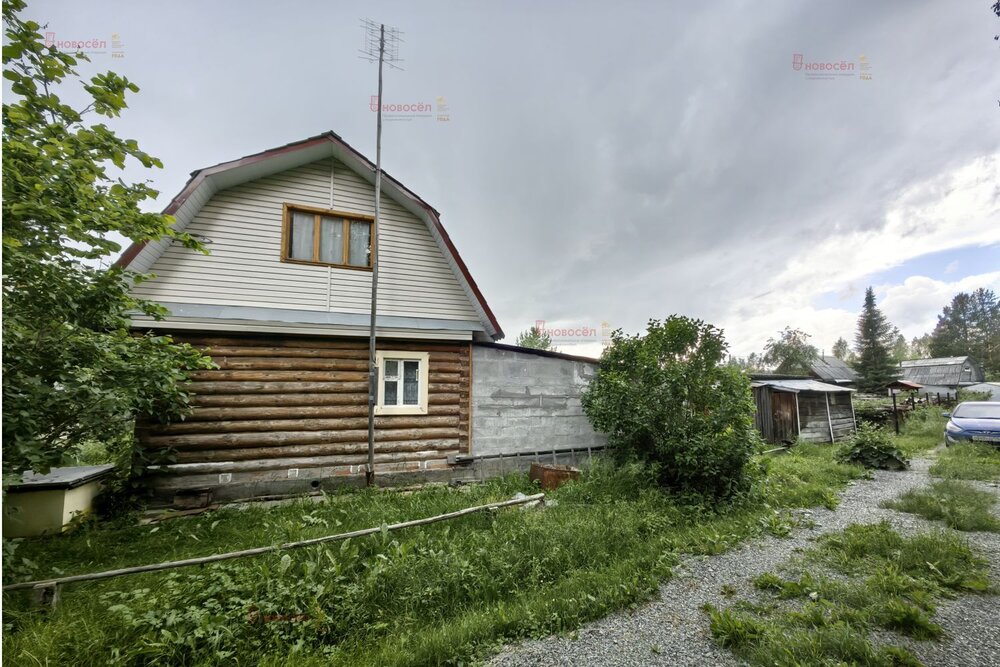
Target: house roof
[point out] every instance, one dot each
(796, 386)
(834, 370)
(205, 182)
(942, 371)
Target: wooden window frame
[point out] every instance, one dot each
(423, 377)
(318, 215)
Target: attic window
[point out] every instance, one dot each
(328, 238)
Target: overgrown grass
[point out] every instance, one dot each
(968, 461)
(447, 592)
(922, 431)
(892, 583)
(960, 505)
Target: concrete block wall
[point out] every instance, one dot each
(524, 402)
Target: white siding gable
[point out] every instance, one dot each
(243, 227)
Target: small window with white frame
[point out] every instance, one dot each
(402, 387)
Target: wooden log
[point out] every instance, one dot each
(277, 376)
(300, 412)
(319, 343)
(272, 341)
(297, 462)
(108, 574)
(274, 438)
(289, 363)
(206, 387)
(312, 450)
(336, 424)
(445, 378)
(286, 352)
(265, 400)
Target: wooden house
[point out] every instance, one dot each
(282, 305)
(790, 409)
(944, 375)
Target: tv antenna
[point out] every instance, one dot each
(381, 45)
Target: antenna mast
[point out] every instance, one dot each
(381, 45)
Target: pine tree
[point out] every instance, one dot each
(873, 342)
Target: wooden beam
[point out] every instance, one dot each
(829, 419)
(108, 574)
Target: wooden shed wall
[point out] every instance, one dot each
(762, 418)
(815, 426)
(300, 404)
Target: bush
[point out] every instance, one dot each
(666, 399)
(873, 448)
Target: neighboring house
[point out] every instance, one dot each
(282, 304)
(943, 375)
(792, 408)
(833, 370)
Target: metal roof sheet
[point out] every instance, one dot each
(833, 369)
(797, 386)
(944, 371)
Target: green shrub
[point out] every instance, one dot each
(873, 448)
(667, 399)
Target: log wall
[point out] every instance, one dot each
(280, 409)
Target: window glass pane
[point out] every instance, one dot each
(300, 246)
(411, 382)
(360, 246)
(331, 241)
(390, 397)
(391, 368)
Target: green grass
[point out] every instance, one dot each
(448, 592)
(960, 505)
(892, 584)
(922, 431)
(968, 461)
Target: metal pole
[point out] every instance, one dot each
(372, 366)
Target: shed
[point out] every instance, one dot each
(833, 370)
(943, 373)
(803, 409)
(44, 504)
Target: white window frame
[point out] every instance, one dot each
(423, 375)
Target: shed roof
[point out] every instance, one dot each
(796, 386)
(833, 369)
(61, 478)
(943, 371)
(140, 256)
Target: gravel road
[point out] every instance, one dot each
(674, 630)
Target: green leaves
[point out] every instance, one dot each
(72, 370)
(666, 398)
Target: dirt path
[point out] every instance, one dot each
(674, 630)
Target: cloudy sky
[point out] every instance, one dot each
(619, 161)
